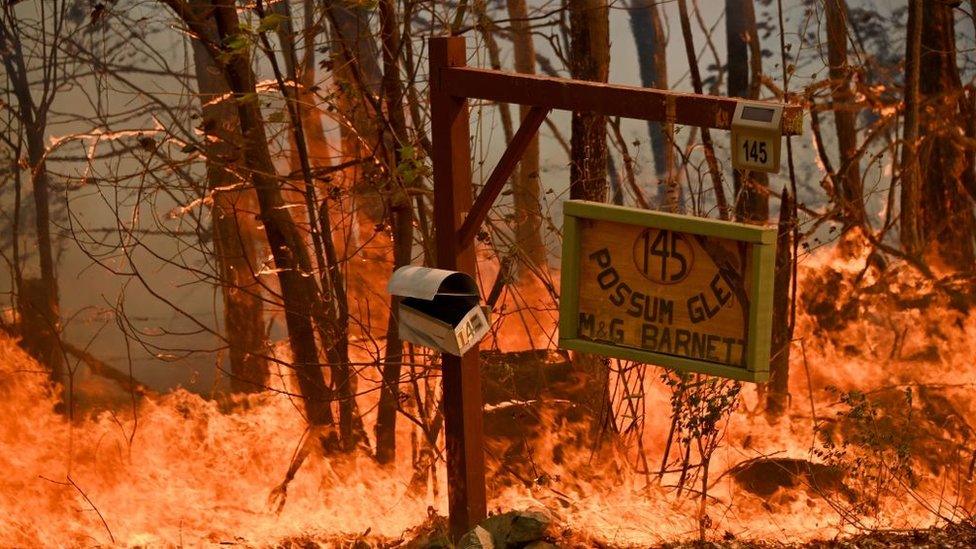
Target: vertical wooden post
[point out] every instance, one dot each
(461, 375)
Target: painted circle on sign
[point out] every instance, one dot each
(663, 256)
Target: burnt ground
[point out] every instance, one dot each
(431, 535)
(949, 537)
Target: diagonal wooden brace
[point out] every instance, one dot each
(503, 170)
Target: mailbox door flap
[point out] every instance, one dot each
(421, 329)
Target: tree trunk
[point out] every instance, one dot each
(645, 25)
(235, 232)
(752, 194)
(401, 220)
(487, 28)
(947, 223)
(651, 40)
(589, 58)
(301, 70)
(304, 74)
(299, 291)
(356, 66)
(43, 303)
(909, 168)
(718, 184)
(850, 193)
(742, 39)
(526, 188)
(969, 109)
(38, 326)
(778, 396)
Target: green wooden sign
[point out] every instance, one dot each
(683, 292)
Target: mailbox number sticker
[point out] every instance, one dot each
(469, 330)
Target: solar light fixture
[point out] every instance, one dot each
(756, 136)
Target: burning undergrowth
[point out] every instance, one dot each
(878, 435)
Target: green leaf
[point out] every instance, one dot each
(247, 97)
(237, 43)
(412, 166)
(271, 22)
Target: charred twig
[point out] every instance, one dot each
(94, 508)
(102, 369)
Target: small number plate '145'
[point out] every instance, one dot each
(755, 153)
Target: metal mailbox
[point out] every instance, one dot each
(439, 309)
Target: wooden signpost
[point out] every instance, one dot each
(688, 293)
(458, 217)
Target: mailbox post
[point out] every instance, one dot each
(461, 375)
(458, 216)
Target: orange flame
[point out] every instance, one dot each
(183, 471)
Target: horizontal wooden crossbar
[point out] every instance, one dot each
(688, 109)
